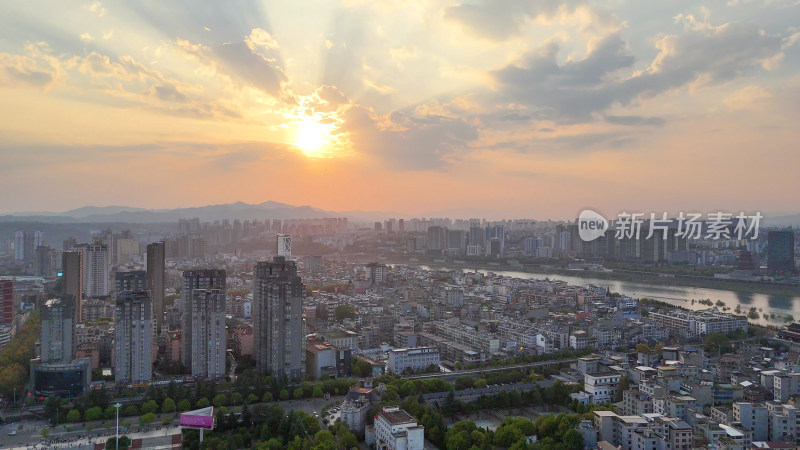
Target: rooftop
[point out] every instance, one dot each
(396, 416)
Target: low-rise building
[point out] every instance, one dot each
(396, 429)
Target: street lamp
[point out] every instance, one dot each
(117, 405)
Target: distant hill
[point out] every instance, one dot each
(781, 221)
(238, 210)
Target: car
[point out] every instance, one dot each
(12, 433)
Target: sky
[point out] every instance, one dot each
(534, 109)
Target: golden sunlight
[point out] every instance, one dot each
(312, 137)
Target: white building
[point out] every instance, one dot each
(418, 358)
(285, 246)
(396, 429)
(601, 387)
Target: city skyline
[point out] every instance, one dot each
(568, 105)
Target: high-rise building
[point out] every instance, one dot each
(45, 262)
(57, 335)
(57, 372)
(72, 277)
(97, 263)
(6, 301)
(495, 240)
(208, 333)
(376, 273)
(134, 280)
(278, 324)
(156, 262)
(38, 239)
(19, 246)
(285, 246)
(25, 245)
(206, 279)
(436, 238)
(780, 252)
(133, 342)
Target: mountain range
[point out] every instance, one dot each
(238, 210)
(261, 211)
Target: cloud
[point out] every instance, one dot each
(259, 40)
(575, 90)
(168, 93)
(96, 8)
(498, 20)
(254, 61)
(86, 38)
(635, 120)
(402, 141)
(37, 68)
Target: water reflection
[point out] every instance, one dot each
(779, 305)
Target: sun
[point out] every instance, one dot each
(312, 137)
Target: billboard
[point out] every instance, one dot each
(199, 418)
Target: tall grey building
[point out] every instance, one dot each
(278, 326)
(72, 277)
(97, 264)
(57, 334)
(134, 280)
(207, 311)
(195, 280)
(156, 262)
(133, 343)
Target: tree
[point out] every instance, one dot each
(124, 443)
(130, 410)
(272, 444)
(642, 348)
(624, 385)
(344, 312)
(298, 393)
(573, 440)
(147, 419)
(284, 394)
(168, 406)
(73, 415)
(184, 405)
(507, 435)
(94, 413)
(149, 406)
(237, 398)
(220, 400)
(45, 433)
(347, 439)
(203, 403)
(324, 440)
(267, 397)
(361, 368)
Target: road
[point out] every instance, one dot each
(482, 370)
(30, 432)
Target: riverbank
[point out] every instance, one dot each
(654, 279)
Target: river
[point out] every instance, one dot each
(779, 305)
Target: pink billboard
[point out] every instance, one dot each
(199, 418)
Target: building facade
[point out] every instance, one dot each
(133, 337)
(278, 325)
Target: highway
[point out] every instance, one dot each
(483, 370)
